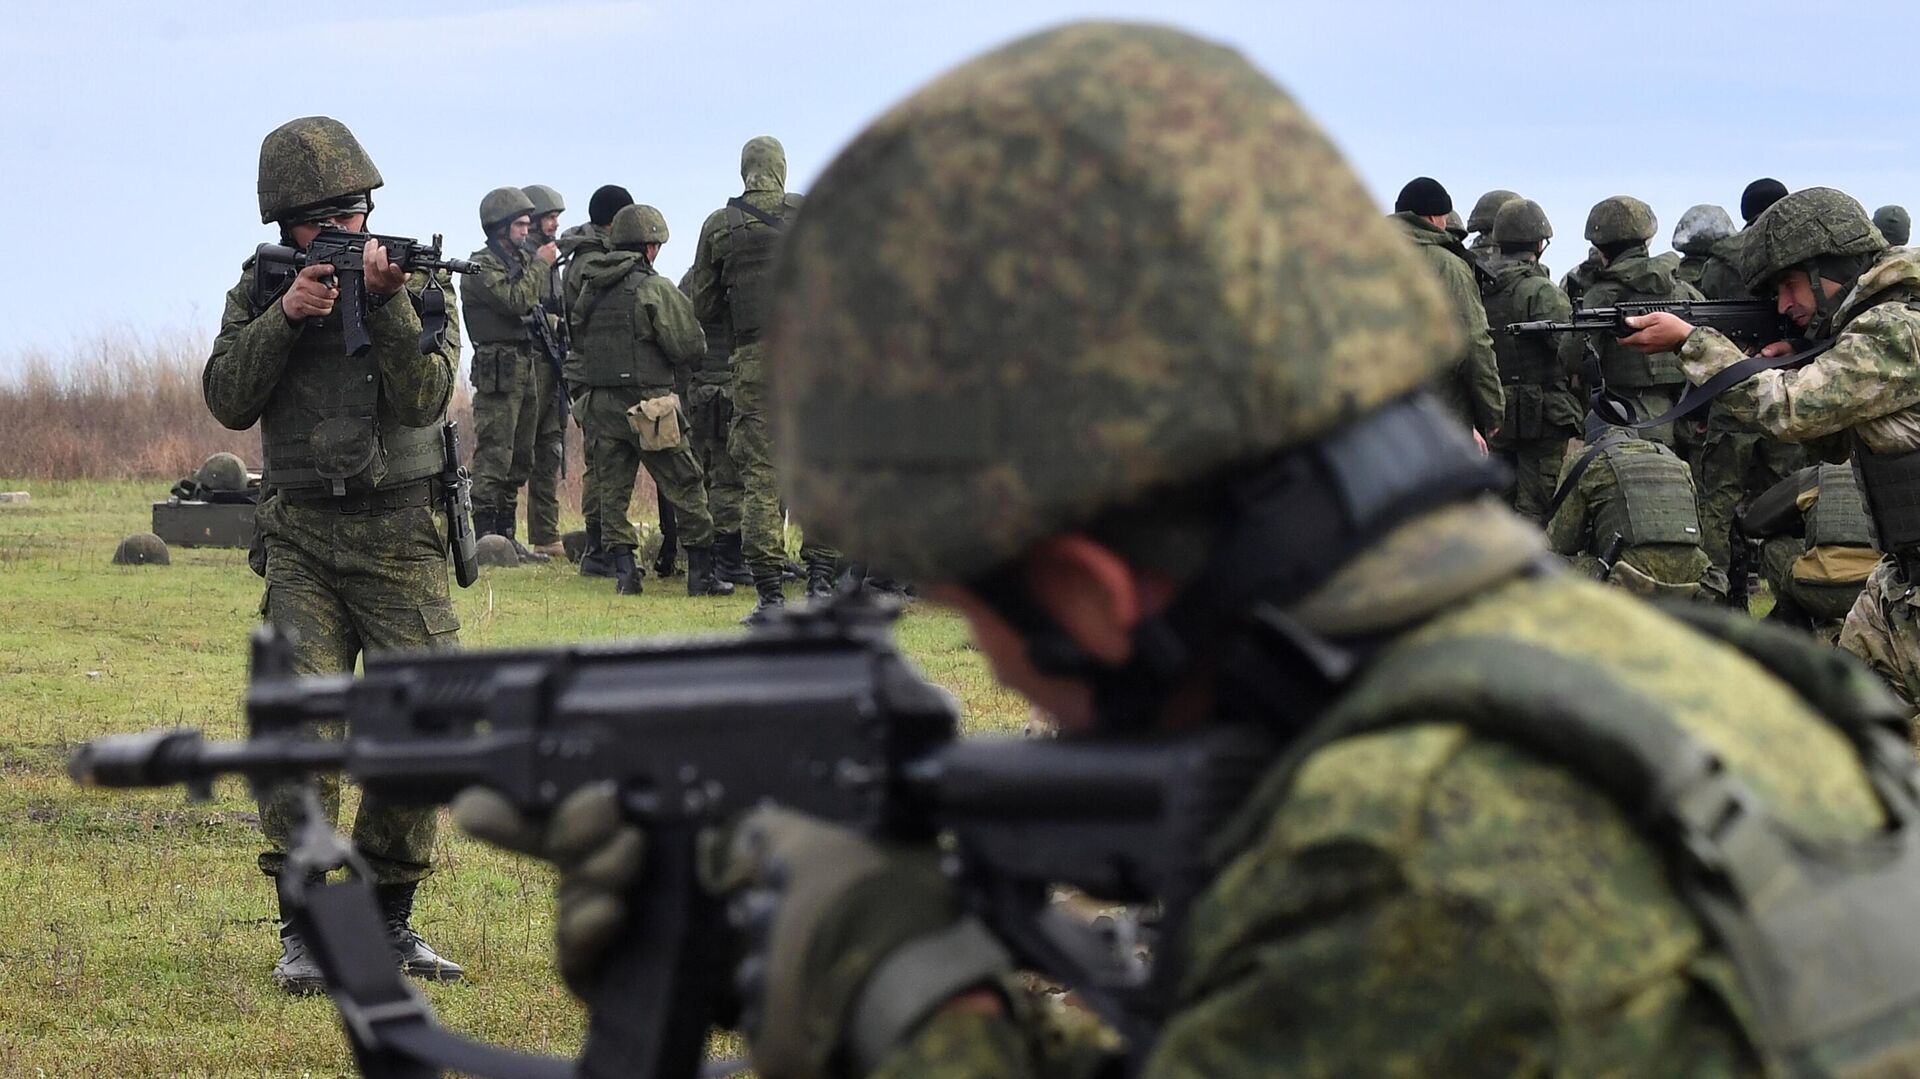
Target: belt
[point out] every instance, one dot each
(373, 503)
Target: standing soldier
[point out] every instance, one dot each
(550, 397)
(1480, 221)
(731, 280)
(710, 411)
(501, 299)
(635, 335)
(364, 570)
(576, 243)
(1699, 237)
(1472, 388)
(1619, 228)
(1542, 410)
(1894, 224)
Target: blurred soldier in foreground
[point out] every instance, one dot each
(1480, 221)
(1199, 481)
(731, 280)
(1894, 224)
(353, 572)
(1831, 271)
(1620, 228)
(1628, 517)
(635, 334)
(1542, 410)
(1471, 388)
(497, 302)
(549, 408)
(576, 243)
(1818, 546)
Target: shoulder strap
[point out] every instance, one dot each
(1580, 465)
(1726, 379)
(591, 301)
(755, 212)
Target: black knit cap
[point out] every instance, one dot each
(1759, 195)
(1423, 195)
(606, 202)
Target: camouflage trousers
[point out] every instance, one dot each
(1823, 603)
(1736, 461)
(1883, 628)
(710, 414)
(750, 444)
(506, 401)
(549, 455)
(345, 585)
(618, 458)
(589, 497)
(1536, 472)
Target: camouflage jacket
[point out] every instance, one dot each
(1634, 275)
(1472, 390)
(703, 280)
(1719, 277)
(1868, 383)
(575, 244)
(497, 296)
(1576, 528)
(1425, 901)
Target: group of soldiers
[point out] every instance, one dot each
(1686, 508)
(1099, 340)
(667, 379)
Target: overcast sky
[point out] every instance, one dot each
(132, 130)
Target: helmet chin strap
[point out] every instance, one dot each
(1287, 526)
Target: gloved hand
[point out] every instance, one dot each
(599, 855)
(847, 944)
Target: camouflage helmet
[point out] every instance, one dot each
(1621, 219)
(636, 225)
(1220, 288)
(1894, 224)
(309, 161)
(142, 549)
(1802, 227)
(1700, 228)
(222, 472)
(1455, 227)
(1521, 222)
(545, 200)
(1482, 218)
(502, 205)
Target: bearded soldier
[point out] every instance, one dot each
(354, 537)
(1198, 485)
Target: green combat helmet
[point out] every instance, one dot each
(1894, 224)
(496, 550)
(636, 226)
(1487, 210)
(222, 472)
(1802, 228)
(545, 200)
(1455, 227)
(1701, 228)
(309, 161)
(1621, 219)
(1215, 229)
(1521, 223)
(142, 549)
(501, 206)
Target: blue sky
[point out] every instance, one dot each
(132, 129)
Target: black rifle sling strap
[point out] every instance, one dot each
(1609, 441)
(755, 212)
(1727, 378)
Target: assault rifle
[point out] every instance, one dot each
(275, 266)
(552, 344)
(816, 711)
(456, 494)
(1750, 323)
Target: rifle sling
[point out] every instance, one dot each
(741, 204)
(1579, 467)
(1728, 377)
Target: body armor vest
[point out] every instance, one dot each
(486, 326)
(1626, 368)
(1654, 502)
(752, 246)
(1839, 517)
(322, 430)
(1890, 485)
(612, 344)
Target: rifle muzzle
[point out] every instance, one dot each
(149, 759)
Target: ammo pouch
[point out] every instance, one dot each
(345, 448)
(656, 421)
(1890, 482)
(1819, 931)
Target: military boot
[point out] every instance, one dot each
(482, 522)
(729, 559)
(508, 528)
(626, 572)
(820, 579)
(417, 957)
(295, 972)
(595, 561)
(664, 563)
(701, 580)
(772, 601)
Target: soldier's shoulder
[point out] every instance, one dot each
(485, 258)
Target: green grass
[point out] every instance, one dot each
(135, 933)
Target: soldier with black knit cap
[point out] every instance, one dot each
(576, 243)
(1471, 390)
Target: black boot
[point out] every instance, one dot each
(295, 972)
(663, 563)
(701, 580)
(595, 560)
(482, 523)
(729, 561)
(772, 600)
(626, 572)
(508, 526)
(417, 957)
(820, 579)
(663, 566)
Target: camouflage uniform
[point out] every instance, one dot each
(1861, 390)
(1472, 388)
(1640, 494)
(1579, 279)
(550, 426)
(713, 284)
(1653, 384)
(575, 244)
(508, 284)
(710, 412)
(1818, 548)
(1542, 412)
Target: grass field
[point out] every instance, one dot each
(135, 933)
